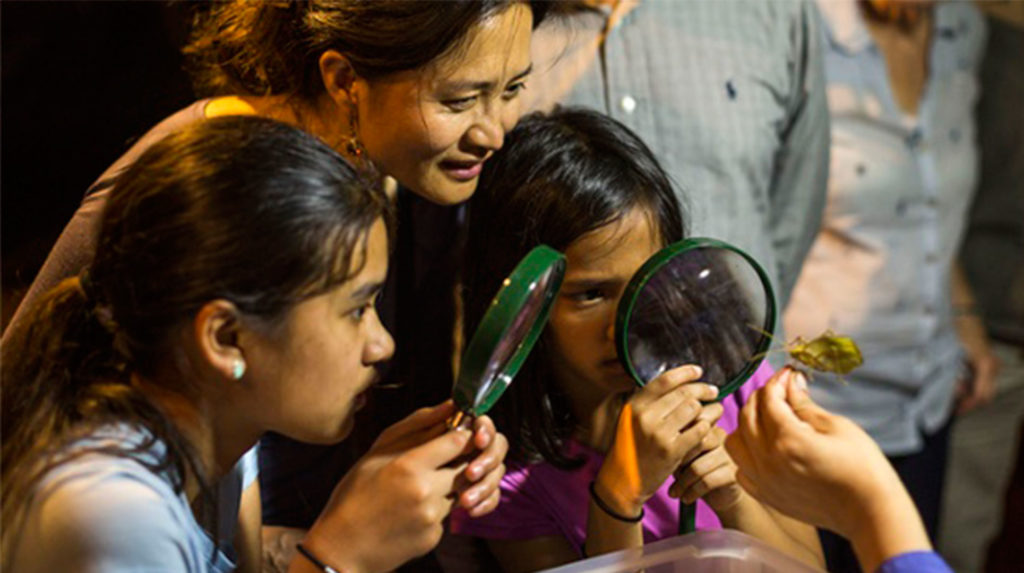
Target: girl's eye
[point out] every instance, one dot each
(513, 90)
(588, 296)
(460, 104)
(358, 313)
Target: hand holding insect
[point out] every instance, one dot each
(823, 469)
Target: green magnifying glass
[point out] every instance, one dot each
(507, 332)
(699, 301)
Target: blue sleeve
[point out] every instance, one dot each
(229, 492)
(250, 466)
(94, 521)
(915, 562)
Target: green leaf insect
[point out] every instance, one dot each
(829, 352)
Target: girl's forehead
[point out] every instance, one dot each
(625, 240)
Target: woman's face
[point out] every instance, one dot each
(432, 128)
(315, 369)
(581, 328)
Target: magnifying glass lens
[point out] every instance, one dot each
(698, 301)
(708, 306)
(496, 376)
(508, 330)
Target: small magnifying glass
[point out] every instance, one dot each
(507, 332)
(699, 301)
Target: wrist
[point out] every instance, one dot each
(325, 556)
(304, 553)
(729, 506)
(889, 525)
(614, 502)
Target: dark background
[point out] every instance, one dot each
(80, 81)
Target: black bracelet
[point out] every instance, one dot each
(313, 559)
(611, 512)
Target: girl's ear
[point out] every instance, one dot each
(339, 78)
(216, 329)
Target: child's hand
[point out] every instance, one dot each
(806, 462)
(478, 485)
(823, 469)
(659, 428)
(711, 476)
(400, 491)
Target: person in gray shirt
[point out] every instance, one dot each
(729, 96)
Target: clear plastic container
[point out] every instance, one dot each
(722, 551)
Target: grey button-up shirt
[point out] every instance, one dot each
(899, 189)
(728, 95)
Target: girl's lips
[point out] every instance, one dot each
(611, 363)
(461, 170)
(361, 399)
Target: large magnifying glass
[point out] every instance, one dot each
(699, 301)
(507, 332)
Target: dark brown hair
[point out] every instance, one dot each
(273, 48)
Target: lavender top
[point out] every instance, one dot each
(540, 500)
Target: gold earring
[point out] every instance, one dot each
(353, 146)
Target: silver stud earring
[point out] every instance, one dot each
(239, 369)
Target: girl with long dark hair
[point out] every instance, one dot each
(232, 293)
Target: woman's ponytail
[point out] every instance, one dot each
(245, 47)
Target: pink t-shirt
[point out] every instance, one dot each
(540, 500)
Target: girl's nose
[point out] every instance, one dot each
(380, 347)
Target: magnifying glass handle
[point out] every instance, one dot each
(687, 517)
(461, 420)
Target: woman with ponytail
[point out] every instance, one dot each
(417, 92)
(414, 92)
(232, 294)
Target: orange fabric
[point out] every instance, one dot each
(624, 477)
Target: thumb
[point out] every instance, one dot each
(427, 419)
(803, 405)
(441, 450)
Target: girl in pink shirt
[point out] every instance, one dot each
(591, 453)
